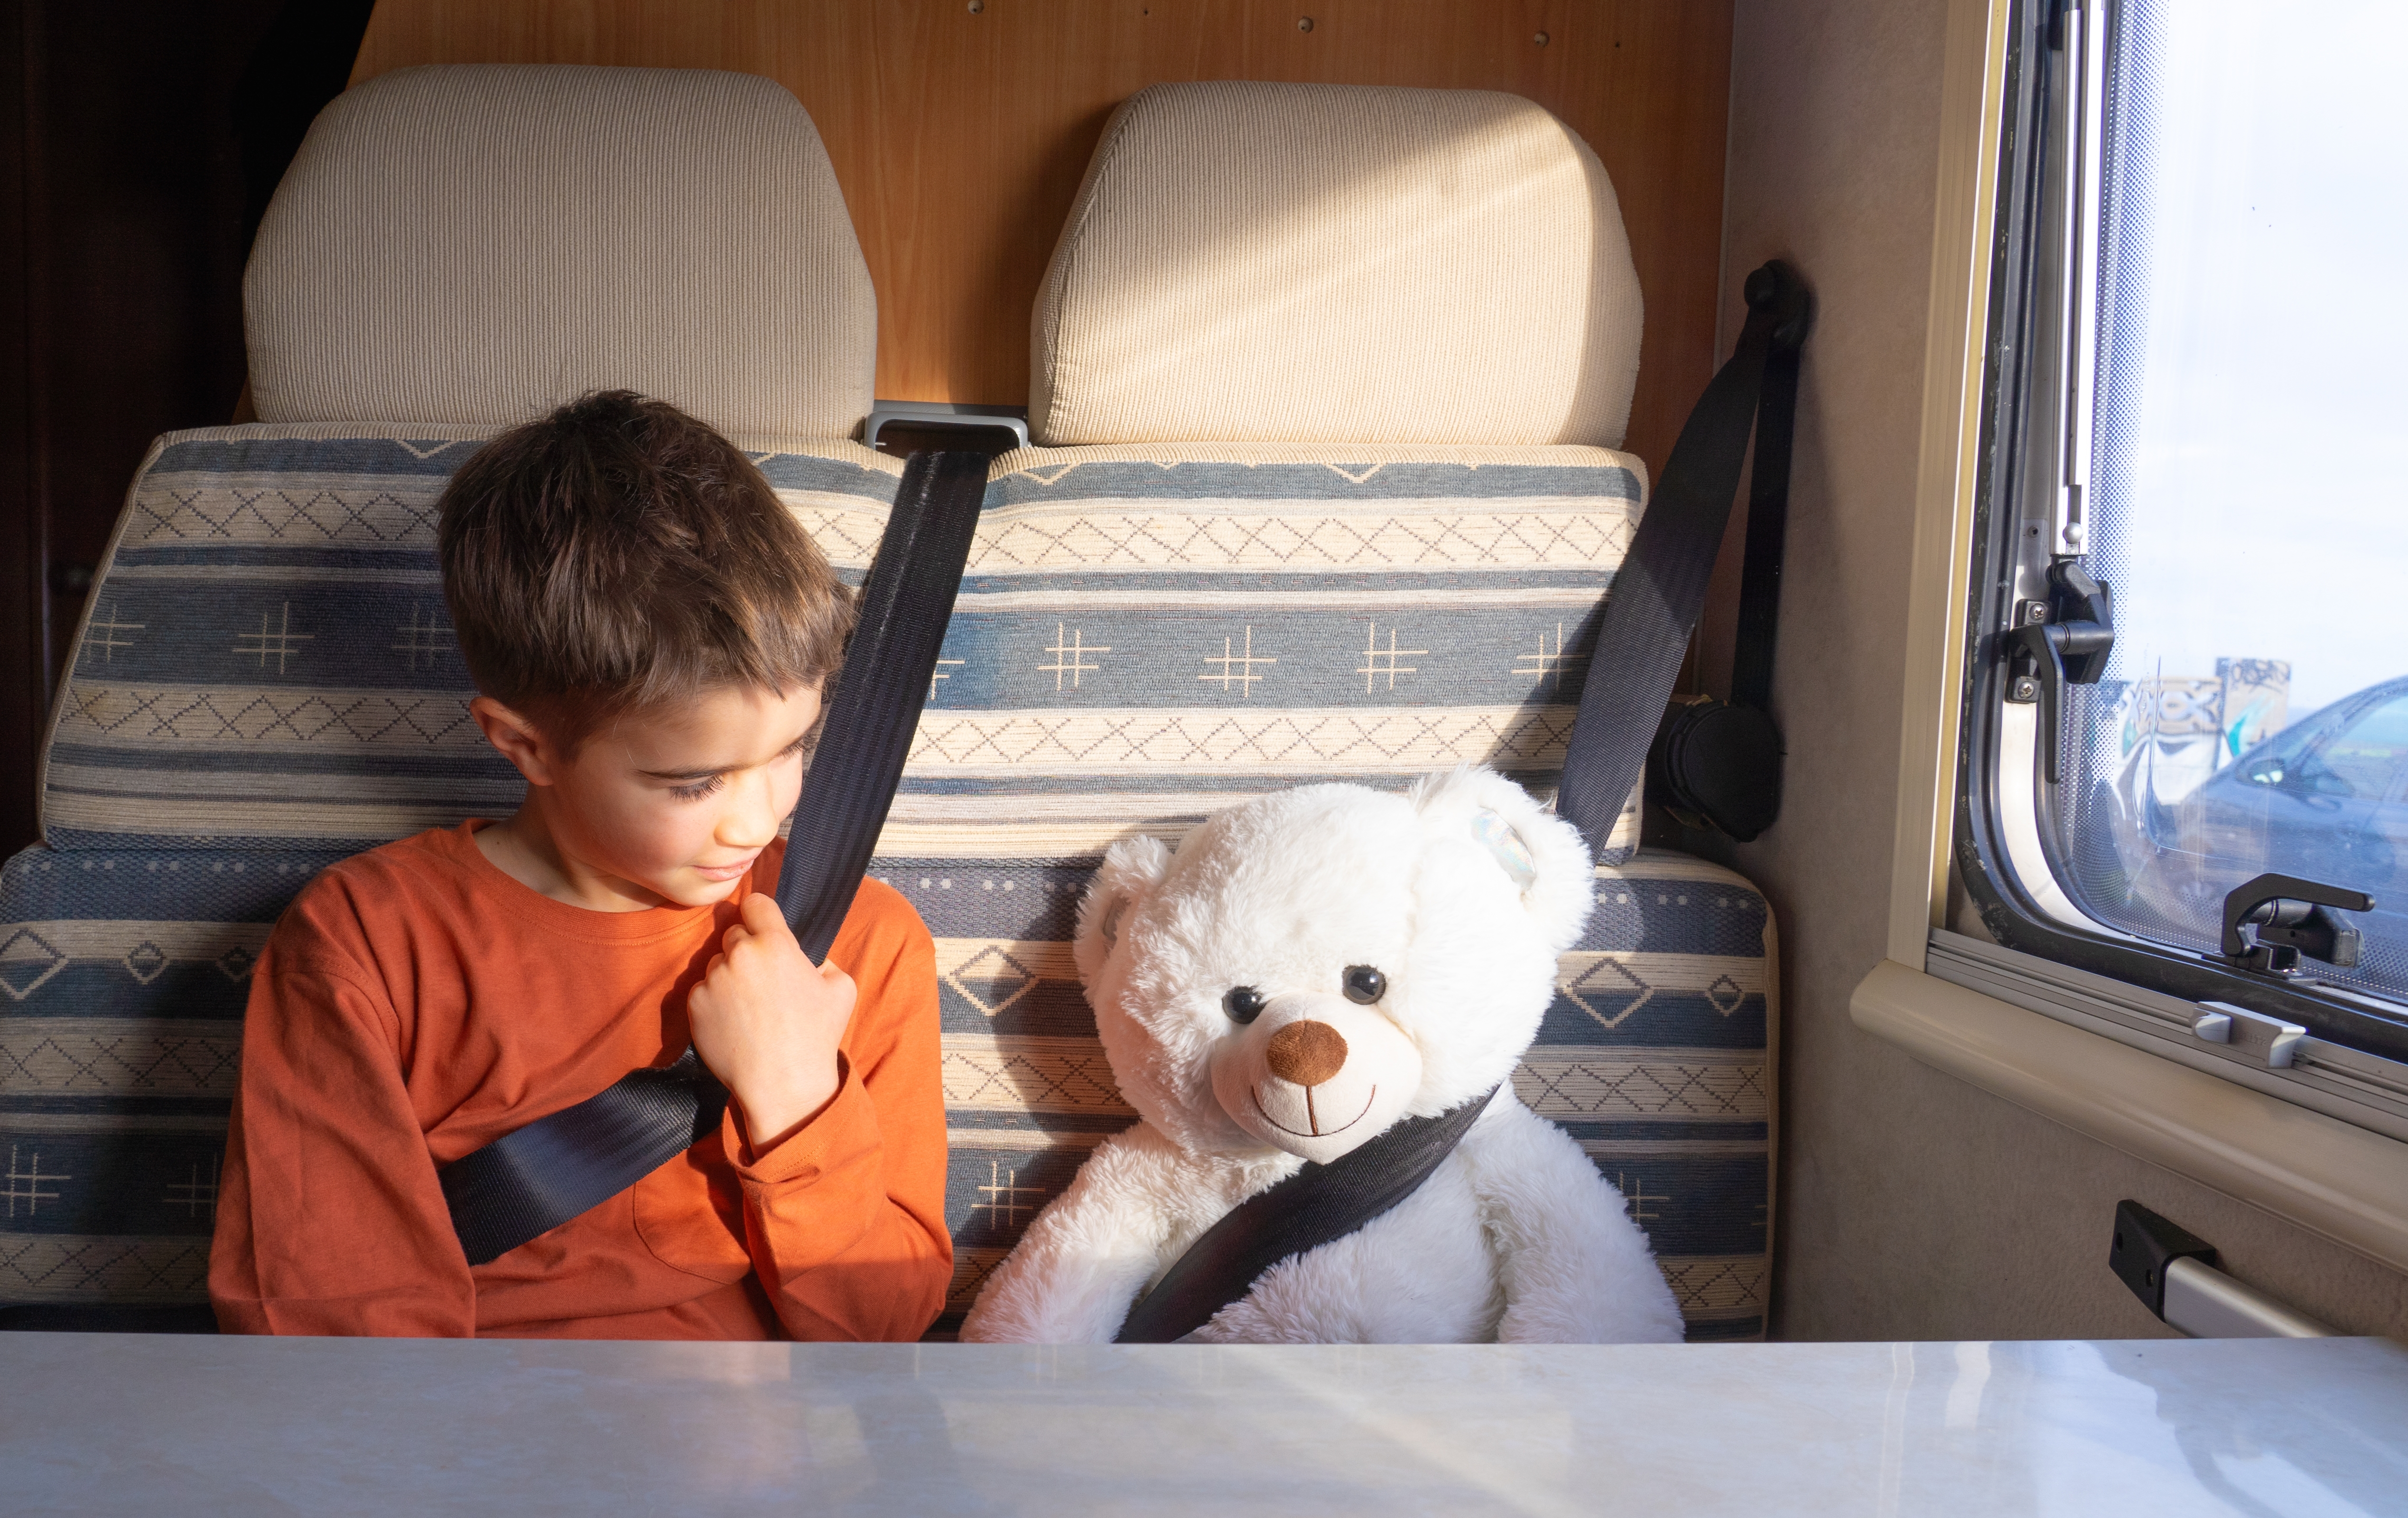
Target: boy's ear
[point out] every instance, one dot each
(520, 740)
(1543, 856)
(1133, 868)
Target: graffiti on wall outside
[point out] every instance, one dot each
(2174, 732)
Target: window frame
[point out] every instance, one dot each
(1990, 857)
(2344, 1179)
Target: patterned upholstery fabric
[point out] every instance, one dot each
(1347, 262)
(122, 978)
(268, 662)
(266, 685)
(1146, 634)
(1654, 1057)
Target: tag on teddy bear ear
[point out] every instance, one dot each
(1505, 846)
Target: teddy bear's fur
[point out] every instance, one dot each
(1461, 896)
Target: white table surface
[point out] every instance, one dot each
(160, 1426)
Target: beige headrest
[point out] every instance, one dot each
(1323, 263)
(477, 243)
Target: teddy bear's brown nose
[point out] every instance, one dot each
(1306, 1053)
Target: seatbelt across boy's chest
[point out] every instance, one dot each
(557, 1167)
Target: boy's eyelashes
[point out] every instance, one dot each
(695, 790)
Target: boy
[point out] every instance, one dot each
(650, 634)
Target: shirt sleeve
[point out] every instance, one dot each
(330, 1218)
(844, 1218)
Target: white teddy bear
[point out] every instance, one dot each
(1310, 969)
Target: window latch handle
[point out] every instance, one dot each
(2274, 919)
(2069, 648)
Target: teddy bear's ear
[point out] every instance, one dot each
(1132, 868)
(1538, 852)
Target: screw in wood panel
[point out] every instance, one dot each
(1540, 40)
(1304, 23)
(977, 6)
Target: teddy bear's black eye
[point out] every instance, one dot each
(1244, 1003)
(1365, 984)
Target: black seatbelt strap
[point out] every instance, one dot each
(1768, 516)
(557, 1167)
(1660, 589)
(1717, 763)
(898, 628)
(1656, 598)
(1316, 1205)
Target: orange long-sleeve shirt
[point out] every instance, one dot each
(415, 1003)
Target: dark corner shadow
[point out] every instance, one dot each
(303, 61)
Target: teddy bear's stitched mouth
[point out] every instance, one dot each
(1318, 1131)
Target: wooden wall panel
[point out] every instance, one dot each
(960, 128)
(132, 136)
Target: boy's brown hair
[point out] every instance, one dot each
(618, 554)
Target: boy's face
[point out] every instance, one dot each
(674, 801)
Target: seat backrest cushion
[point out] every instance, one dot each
(265, 683)
(1250, 262)
(123, 973)
(266, 661)
(1344, 369)
(1146, 634)
(474, 244)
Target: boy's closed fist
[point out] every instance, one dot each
(766, 1021)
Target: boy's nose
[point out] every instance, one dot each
(751, 818)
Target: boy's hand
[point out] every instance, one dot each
(767, 1020)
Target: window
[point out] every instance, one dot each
(2191, 445)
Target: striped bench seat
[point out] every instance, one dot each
(266, 684)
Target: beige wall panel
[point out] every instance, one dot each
(960, 136)
(1913, 1205)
